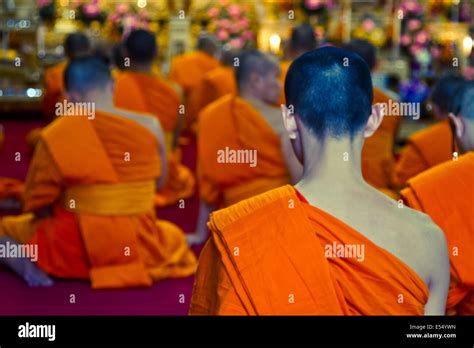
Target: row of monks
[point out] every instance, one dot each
(281, 231)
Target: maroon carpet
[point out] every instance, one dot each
(76, 297)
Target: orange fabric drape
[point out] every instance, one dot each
(446, 193)
(266, 259)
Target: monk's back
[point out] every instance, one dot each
(389, 224)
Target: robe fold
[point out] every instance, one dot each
(267, 256)
(424, 149)
(446, 193)
(103, 225)
(147, 94)
(221, 180)
(187, 71)
(378, 162)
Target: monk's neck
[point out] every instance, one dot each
(141, 68)
(255, 102)
(335, 163)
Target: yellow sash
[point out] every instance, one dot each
(126, 198)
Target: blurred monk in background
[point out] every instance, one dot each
(378, 162)
(320, 247)
(446, 193)
(433, 145)
(242, 147)
(76, 45)
(139, 90)
(89, 194)
(216, 83)
(188, 70)
(302, 40)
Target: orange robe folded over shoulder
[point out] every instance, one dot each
(378, 162)
(242, 158)
(424, 149)
(154, 96)
(102, 224)
(187, 71)
(446, 193)
(267, 259)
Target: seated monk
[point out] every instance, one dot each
(445, 192)
(188, 70)
(139, 90)
(248, 125)
(302, 40)
(216, 83)
(332, 244)
(378, 162)
(75, 45)
(89, 195)
(431, 146)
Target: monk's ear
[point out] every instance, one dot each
(289, 121)
(458, 124)
(374, 121)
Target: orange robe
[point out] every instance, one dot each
(267, 256)
(424, 149)
(147, 94)
(378, 162)
(215, 84)
(54, 89)
(103, 225)
(188, 70)
(446, 193)
(284, 66)
(240, 127)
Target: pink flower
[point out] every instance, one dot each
(114, 17)
(422, 38)
(414, 24)
(43, 3)
(435, 52)
(314, 4)
(368, 25)
(222, 35)
(236, 43)
(91, 10)
(122, 8)
(213, 12)
(247, 35)
(234, 28)
(224, 23)
(243, 23)
(234, 10)
(405, 40)
(414, 50)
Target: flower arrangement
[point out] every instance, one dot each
(230, 23)
(90, 11)
(47, 9)
(317, 5)
(125, 18)
(369, 30)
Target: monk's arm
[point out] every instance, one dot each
(294, 166)
(43, 182)
(439, 279)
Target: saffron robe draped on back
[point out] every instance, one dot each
(424, 149)
(188, 71)
(266, 257)
(54, 88)
(446, 193)
(240, 128)
(153, 96)
(103, 225)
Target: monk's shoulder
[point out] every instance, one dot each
(217, 108)
(147, 121)
(432, 133)
(245, 210)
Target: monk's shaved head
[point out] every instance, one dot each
(140, 47)
(444, 91)
(77, 45)
(302, 38)
(207, 43)
(330, 90)
(364, 49)
(253, 62)
(86, 74)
